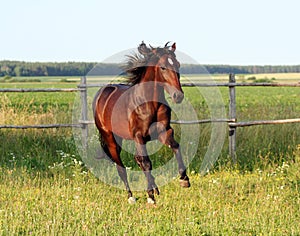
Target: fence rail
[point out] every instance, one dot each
(230, 84)
(45, 126)
(263, 122)
(41, 90)
(231, 121)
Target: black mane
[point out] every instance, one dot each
(136, 64)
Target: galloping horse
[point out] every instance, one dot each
(139, 111)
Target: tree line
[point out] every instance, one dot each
(20, 68)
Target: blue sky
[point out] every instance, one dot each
(211, 31)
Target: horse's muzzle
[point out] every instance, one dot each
(177, 97)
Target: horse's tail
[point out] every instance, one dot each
(95, 101)
(98, 125)
(104, 152)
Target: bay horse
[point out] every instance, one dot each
(139, 111)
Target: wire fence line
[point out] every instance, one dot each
(231, 120)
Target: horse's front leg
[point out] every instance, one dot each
(145, 164)
(167, 138)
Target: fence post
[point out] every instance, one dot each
(232, 115)
(84, 114)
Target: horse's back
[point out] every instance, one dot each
(105, 93)
(110, 109)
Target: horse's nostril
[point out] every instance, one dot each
(177, 97)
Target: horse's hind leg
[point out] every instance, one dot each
(114, 148)
(145, 164)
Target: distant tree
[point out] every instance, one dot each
(18, 68)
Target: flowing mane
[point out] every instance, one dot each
(136, 64)
(134, 68)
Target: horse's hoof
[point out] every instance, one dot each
(150, 200)
(131, 200)
(184, 183)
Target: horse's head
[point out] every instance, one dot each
(166, 66)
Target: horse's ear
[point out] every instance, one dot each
(143, 49)
(166, 45)
(173, 48)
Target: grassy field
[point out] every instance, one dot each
(279, 77)
(73, 202)
(46, 190)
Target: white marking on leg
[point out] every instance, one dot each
(150, 200)
(131, 200)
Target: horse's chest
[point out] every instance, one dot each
(141, 119)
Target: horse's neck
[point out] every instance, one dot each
(153, 90)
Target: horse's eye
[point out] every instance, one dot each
(163, 68)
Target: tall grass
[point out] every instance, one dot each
(254, 144)
(257, 146)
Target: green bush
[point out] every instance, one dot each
(251, 78)
(9, 79)
(265, 80)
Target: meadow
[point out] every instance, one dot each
(47, 190)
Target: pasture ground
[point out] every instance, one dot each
(46, 190)
(73, 202)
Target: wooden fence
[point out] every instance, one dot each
(231, 121)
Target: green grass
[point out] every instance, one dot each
(274, 142)
(73, 202)
(46, 190)
(279, 77)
